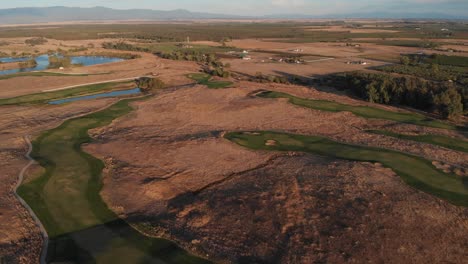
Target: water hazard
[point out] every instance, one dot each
(43, 62)
(99, 95)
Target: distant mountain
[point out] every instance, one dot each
(29, 15)
(62, 14)
(371, 15)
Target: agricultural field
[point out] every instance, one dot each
(234, 141)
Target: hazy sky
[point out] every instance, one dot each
(262, 7)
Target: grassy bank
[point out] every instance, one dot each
(205, 79)
(42, 74)
(439, 140)
(40, 98)
(362, 111)
(415, 171)
(66, 199)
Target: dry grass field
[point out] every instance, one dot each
(170, 172)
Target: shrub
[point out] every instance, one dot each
(57, 62)
(28, 64)
(35, 41)
(149, 83)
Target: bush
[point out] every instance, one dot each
(35, 41)
(262, 78)
(123, 46)
(149, 83)
(58, 62)
(28, 64)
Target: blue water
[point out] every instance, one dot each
(43, 62)
(94, 96)
(93, 60)
(6, 60)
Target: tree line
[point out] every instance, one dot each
(443, 98)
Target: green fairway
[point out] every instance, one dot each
(67, 201)
(415, 171)
(363, 111)
(443, 141)
(205, 79)
(45, 97)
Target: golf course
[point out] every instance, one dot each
(362, 111)
(415, 171)
(205, 79)
(439, 140)
(81, 228)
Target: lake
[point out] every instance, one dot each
(94, 96)
(43, 62)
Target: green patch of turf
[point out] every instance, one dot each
(443, 141)
(40, 98)
(205, 79)
(363, 111)
(66, 198)
(41, 74)
(415, 171)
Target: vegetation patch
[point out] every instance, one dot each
(148, 83)
(35, 41)
(67, 201)
(31, 63)
(205, 79)
(415, 171)
(41, 98)
(439, 140)
(363, 111)
(443, 98)
(42, 74)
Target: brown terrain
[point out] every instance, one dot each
(179, 176)
(257, 207)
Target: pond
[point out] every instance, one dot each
(43, 62)
(94, 96)
(9, 59)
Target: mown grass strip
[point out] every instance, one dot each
(40, 98)
(362, 111)
(415, 171)
(66, 198)
(43, 74)
(205, 79)
(443, 141)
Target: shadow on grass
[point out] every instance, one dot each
(93, 245)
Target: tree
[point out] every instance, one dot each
(148, 83)
(449, 103)
(405, 60)
(435, 68)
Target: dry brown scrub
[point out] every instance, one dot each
(178, 173)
